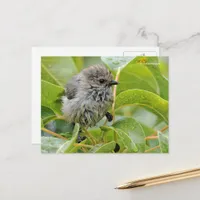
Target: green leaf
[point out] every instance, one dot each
(116, 62)
(103, 148)
(149, 120)
(123, 139)
(63, 127)
(96, 132)
(79, 61)
(49, 96)
(143, 98)
(68, 146)
(76, 148)
(58, 68)
(134, 131)
(127, 141)
(88, 61)
(163, 141)
(164, 66)
(50, 144)
(157, 150)
(107, 128)
(110, 134)
(47, 76)
(47, 114)
(136, 76)
(153, 65)
(42, 125)
(149, 131)
(161, 80)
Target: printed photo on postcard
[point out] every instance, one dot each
(104, 104)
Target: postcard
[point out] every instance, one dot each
(104, 104)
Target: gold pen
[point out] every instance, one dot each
(166, 178)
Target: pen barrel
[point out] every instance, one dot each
(166, 178)
(169, 179)
(174, 174)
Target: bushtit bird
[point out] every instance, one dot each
(88, 96)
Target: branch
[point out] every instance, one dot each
(53, 133)
(151, 138)
(154, 135)
(60, 117)
(162, 130)
(83, 145)
(149, 150)
(114, 94)
(89, 136)
(84, 149)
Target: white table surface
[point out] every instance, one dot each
(171, 24)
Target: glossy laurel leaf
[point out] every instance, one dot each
(143, 98)
(69, 145)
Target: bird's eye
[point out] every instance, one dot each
(101, 80)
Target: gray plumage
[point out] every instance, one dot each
(88, 96)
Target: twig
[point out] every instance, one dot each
(53, 133)
(60, 117)
(149, 150)
(114, 94)
(84, 149)
(83, 145)
(90, 136)
(151, 138)
(162, 130)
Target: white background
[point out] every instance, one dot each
(173, 25)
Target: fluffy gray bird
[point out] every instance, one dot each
(89, 96)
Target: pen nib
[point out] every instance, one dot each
(121, 187)
(129, 186)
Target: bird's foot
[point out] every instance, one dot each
(80, 138)
(109, 116)
(117, 148)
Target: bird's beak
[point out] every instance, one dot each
(113, 82)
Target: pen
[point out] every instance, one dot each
(166, 178)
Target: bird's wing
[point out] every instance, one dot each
(72, 87)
